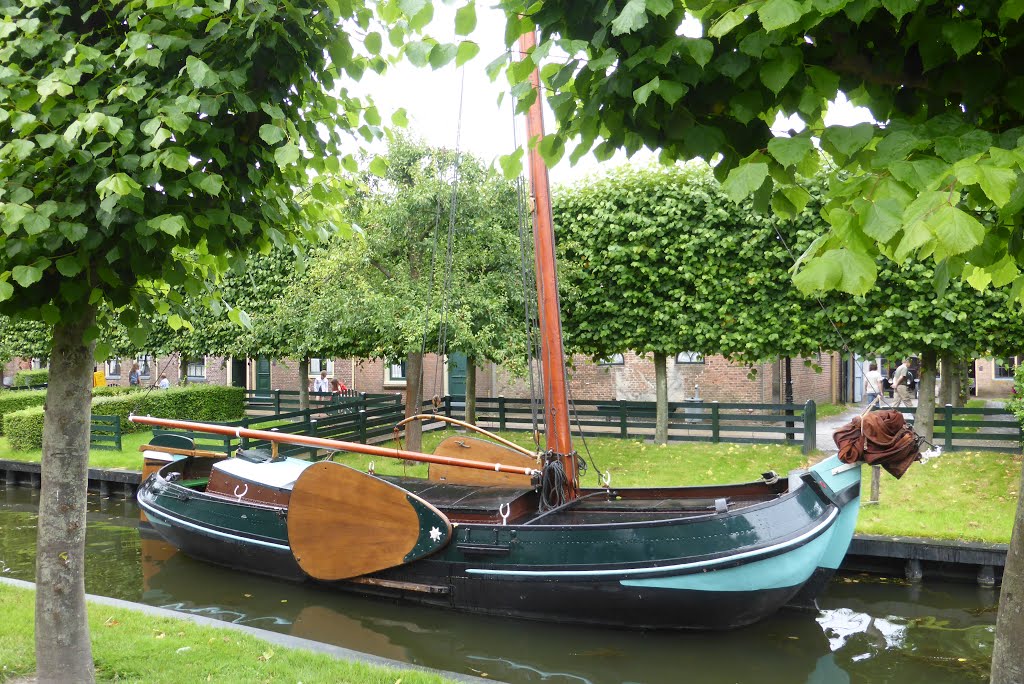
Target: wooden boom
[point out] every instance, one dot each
(323, 443)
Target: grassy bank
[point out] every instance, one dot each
(135, 647)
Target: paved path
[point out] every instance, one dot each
(826, 426)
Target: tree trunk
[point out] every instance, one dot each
(182, 370)
(963, 377)
(304, 383)
(63, 651)
(1007, 664)
(471, 390)
(661, 399)
(413, 400)
(949, 374)
(924, 420)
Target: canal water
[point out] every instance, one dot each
(868, 630)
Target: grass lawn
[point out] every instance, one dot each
(959, 495)
(830, 410)
(133, 647)
(129, 458)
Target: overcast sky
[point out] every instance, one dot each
(487, 130)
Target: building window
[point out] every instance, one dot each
(39, 364)
(1004, 368)
(317, 365)
(196, 369)
(145, 366)
(113, 368)
(689, 357)
(394, 373)
(613, 360)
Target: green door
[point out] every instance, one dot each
(238, 373)
(263, 376)
(457, 375)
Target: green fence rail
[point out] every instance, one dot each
(105, 433)
(688, 421)
(359, 418)
(973, 429)
(283, 401)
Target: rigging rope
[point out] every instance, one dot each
(442, 329)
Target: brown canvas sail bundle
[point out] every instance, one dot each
(879, 438)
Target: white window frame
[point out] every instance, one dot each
(191, 364)
(317, 365)
(690, 357)
(392, 380)
(998, 363)
(613, 360)
(145, 361)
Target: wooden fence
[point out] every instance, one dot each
(105, 433)
(285, 401)
(973, 429)
(689, 421)
(361, 418)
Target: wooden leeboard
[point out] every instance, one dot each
(480, 450)
(344, 523)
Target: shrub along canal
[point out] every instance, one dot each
(868, 630)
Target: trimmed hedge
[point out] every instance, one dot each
(18, 401)
(207, 403)
(25, 378)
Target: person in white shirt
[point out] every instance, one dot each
(872, 384)
(164, 382)
(322, 384)
(901, 385)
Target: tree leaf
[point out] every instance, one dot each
(272, 133)
(286, 154)
(790, 151)
(775, 74)
(465, 19)
(379, 166)
(776, 14)
(956, 230)
(641, 94)
(467, 51)
(200, 73)
(744, 179)
(512, 164)
(373, 42)
(441, 54)
(27, 275)
(845, 141)
(633, 17)
(962, 35)
(837, 269)
(6, 290)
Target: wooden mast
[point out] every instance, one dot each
(556, 403)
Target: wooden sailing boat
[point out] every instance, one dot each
(493, 530)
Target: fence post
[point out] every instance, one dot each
(501, 412)
(447, 406)
(362, 401)
(362, 426)
(810, 426)
(117, 432)
(948, 426)
(716, 423)
(277, 401)
(311, 431)
(623, 420)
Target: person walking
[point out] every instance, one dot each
(872, 384)
(901, 385)
(133, 375)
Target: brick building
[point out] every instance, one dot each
(629, 376)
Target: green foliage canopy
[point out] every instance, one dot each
(939, 76)
(659, 260)
(145, 144)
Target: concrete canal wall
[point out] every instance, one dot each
(911, 558)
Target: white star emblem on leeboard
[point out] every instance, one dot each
(435, 534)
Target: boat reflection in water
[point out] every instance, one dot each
(868, 631)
